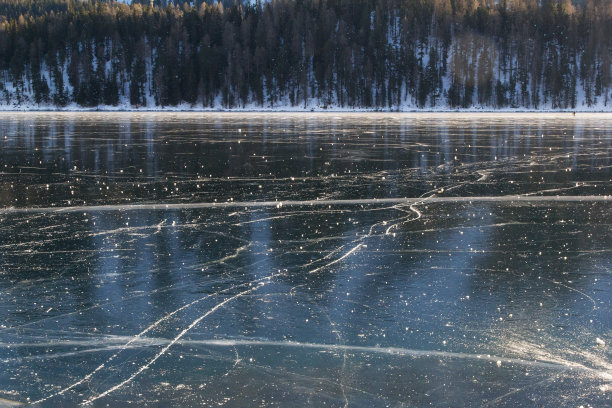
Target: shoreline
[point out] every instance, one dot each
(285, 108)
(302, 111)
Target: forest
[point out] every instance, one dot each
(305, 54)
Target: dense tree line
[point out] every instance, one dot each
(357, 53)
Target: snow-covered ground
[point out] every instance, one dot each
(313, 107)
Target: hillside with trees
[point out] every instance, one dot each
(302, 54)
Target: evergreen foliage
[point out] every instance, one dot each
(350, 53)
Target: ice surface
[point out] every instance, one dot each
(338, 260)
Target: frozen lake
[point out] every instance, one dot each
(362, 260)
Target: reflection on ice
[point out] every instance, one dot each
(306, 290)
(87, 159)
